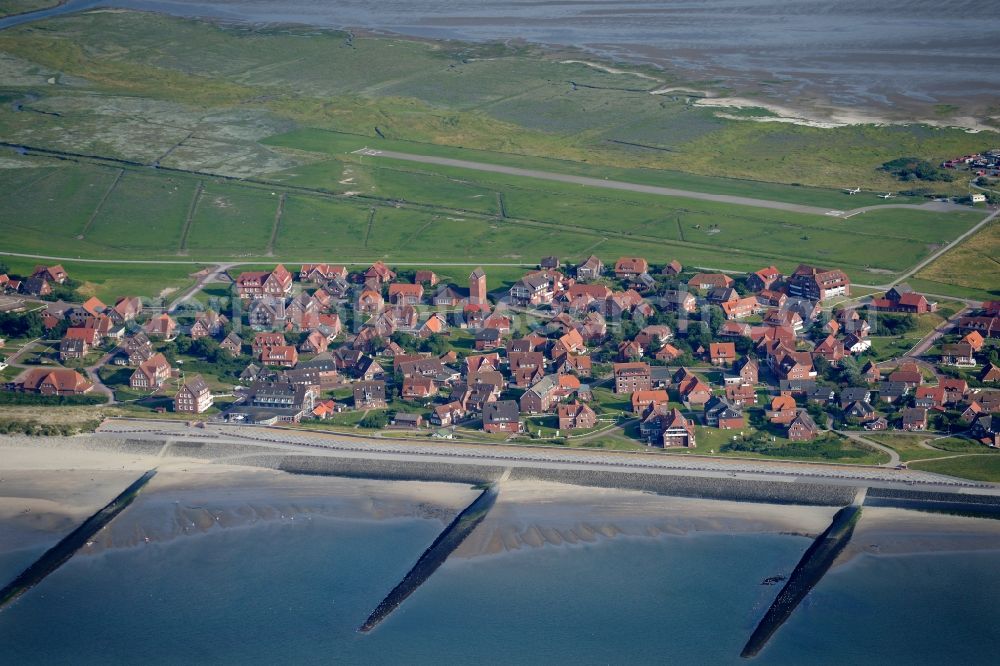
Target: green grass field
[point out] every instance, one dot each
(137, 214)
(975, 467)
(283, 108)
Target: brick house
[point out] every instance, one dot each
(60, 381)
(576, 416)
(763, 279)
(802, 428)
(369, 395)
(406, 294)
(541, 396)
(705, 281)
(150, 374)
(631, 377)
(914, 419)
(722, 353)
(591, 269)
(283, 355)
(628, 268)
(193, 397)
(817, 284)
(502, 416)
(667, 427)
(418, 388)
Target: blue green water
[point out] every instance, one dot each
(295, 593)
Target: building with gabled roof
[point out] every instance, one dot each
(194, 396)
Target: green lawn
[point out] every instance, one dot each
(975, 467)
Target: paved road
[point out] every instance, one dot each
(645, 189)
(928, 340)
(212, 275)
(893, 456)
(99, 386)
(336, 444)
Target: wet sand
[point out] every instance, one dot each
(531, 514)
(884, 531)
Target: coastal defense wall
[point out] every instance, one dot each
(701, 487)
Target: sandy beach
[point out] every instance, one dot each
(46, 490)
(884, 531)
(537, 514)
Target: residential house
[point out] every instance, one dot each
(285, 356)
(741, 395)
(161, 326)
(448, 414)
(986, 429)
(369, 302)
(673, 269)
(427, 277)
(262, 341)
(975, 340)
(748, 371)
(706, 281)
(802, 428)
(434, 325)
(126, 309)
(502, 416)
(379, 274)
(693, 391)
(988, 327)
(763, 279)
(628, 268)
(722, 353)
(73, 348)
(260, 284)
(959, 353)
(47, 381)
(55, 273)
(150, 374)
(818, 284)
(406, 294)
(269, 402)
(591, 269)
(315, 343)
(36, 286)
(675, 300)
(631, 377)
(540, 397)
(533, 289)
(138, 347)
(576, 416)
(990, 374)
(369, 395)
(643, 400)
(667, 427)
(488, 338)
(193, 397)
(907, 373)
(914, 419)
(321, 272)
(418, 388)
(741, 308)
(902, 298)
(783, 409)
(721, 413)
(831, 349)
(232, 344)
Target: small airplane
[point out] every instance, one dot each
(856, 190)
(887, 195)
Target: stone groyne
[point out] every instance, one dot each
(60, 553)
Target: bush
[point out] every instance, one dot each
(16, 398)
(375, 421)
(913, 168)
(36, 429)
